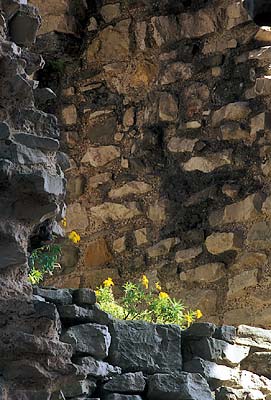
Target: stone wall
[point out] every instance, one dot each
(164, 109)
(134, 360)
(32, 191)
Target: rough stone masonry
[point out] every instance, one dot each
(165, 113)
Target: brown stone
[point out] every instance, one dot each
(244, 280)
(217, 45)
(197, 24)
(236, 14)
(239, 316)
(175, 72)
(181, 145)
(93, 278)
(205, 273)
(218, 243)
(129, 117)
(130, 188)
(100, 156)
(119, 244)
(266, 208)
(140, 33)
(157, 212)
(111, 44)
(244, 210)
(188, 254)
(231, 190)
(97, 180)
(97, 253)
(165, 29)
(232, 112)
(233, 131)
(77, 217)
(250, 260)
(141, 236)
(263, 86)
(261, 54)
(110, 12)
(108, 212)
(163, 247)
(69, 115)
(203, 299)
(208, 163)
(101, 130)
(75, 187)
(259, 235)
(196, 96)
(168, 107)
(263, 34)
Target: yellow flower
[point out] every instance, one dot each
(145, 281)
(198, 314)
(64, 222)
(163, 295)
(189, 319)
(158, 286)
(108, 282)
(74, 237)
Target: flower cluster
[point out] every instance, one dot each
(74, 237)
(142, 302)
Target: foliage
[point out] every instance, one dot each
(141, 302)
(43, 261)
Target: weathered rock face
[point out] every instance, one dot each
(148, 361)
(166, 117)
(31, 200)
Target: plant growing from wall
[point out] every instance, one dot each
(142, 302)
(44, 260)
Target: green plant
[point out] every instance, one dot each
(139, 302)
(43, 261)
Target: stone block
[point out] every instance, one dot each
(126, 383)
(218, 351)
(154, 348)
(72, 314)
(117, 396)
(119, 245)
(24, 25)
(221, 242)
(97, 253)
(168, 107)
(100, 156)
(77, 217)
(259, 363)
(114, 212)
(205, 273)
(263, 34)
(163, 247)
(226, 333)
(257, 338)
(181, 145)
(56, 296)
(131, 188)
(110, 12)
(263, 86)
(69, 115)
(97, 369)
(197, 24)
(188, 254)
(216, 375)
(84, 296)
(79, 388)
(141, 236)
(244, 210)
(91, 339)
(176, 72)
(259, 235)
(208, 163)
(232, 112)
(182, 387)
(242, 281)
(111, 44)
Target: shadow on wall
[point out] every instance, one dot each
(260, 11)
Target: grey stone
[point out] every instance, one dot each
(79, 388)
(227, 393)
(257, 338)
(117, 396)
(126, 383)
(184, 386)
(63, 160)
(92, 339)
(97, 369)
(41, 183)
(153, 348)
(43, 95)
(73, 314)
(258, 363)
(200, 329)
(24, 25)
(225, 332)
(84, 296)
(216, 375)
(4, 130)
(219, 351)
(36, 142)
(56, 296)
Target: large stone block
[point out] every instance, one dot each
(154, 348)
(126, 383)
(242, 281)
(56, 296)
(218, 243)
(181, 386)
(231, 112)
(205, 273)
(131, 188)
(97, 253)
(97, 369)
(92, 339)
(257, 338)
